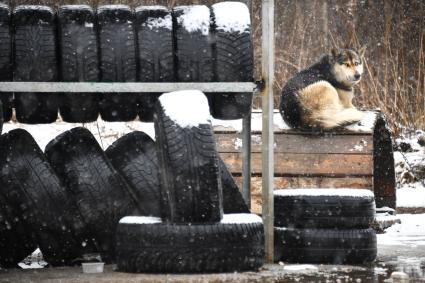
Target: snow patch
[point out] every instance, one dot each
(114, 7)
(325, 192)
(411, 196)
(33, 7)
(366, 124)
(188, 108)
(88, 25)
(151, 8)
(76, 7)
(140, 220)
(300, 267)
(160, 22)
(410, 232)
(4, 6)
(241, 218)
(194, 18)
(232, 17)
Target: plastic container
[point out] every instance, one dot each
(93, 267)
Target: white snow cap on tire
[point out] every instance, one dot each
(188, 108)
(156, 22)
(240, 218)
(140, 220)
(232, 17)
(325, 192)
(194, 18)
(33, 7)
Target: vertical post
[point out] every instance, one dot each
(246, 157)
(267, 66)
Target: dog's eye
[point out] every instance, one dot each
(346, 65)
(356, 63)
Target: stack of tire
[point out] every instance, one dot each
(116, 44)
(192, 234)
(324, 226)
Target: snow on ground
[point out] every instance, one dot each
(325, 192)
(410, 232)
(232, 17)
(240, 218)
(140, 220)
(188, 108)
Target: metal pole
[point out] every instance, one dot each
(267, 66)
(246, 158)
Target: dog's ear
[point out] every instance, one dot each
(362, 51)
(334, 52)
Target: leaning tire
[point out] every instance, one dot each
(324, 208)
(134, 157)
(16, 236)
(35, 61)
(5, 60)
(31, 187)
(233, 58)
(356, 246)
(190, 178)
(233, 201)
(117, 60)
(156, 58)
(148, 245)
(102, 196)
(79, 61)
(193, 44)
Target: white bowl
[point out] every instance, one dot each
(93, 267)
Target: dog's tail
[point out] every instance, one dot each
(330, 119)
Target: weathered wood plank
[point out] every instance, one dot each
(344, 144)
(306, 164)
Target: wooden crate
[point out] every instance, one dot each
(343, 159)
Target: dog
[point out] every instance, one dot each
(320, 97)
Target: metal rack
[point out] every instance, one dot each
(266, 92)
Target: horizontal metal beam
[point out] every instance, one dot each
(124, 87)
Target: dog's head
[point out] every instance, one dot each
(347, 65)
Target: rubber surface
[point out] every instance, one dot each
(189, 171)
(101, 194)
(234, 62)
(134, 157)
(155, 53)
(30, 187)
(35, 60)
(6, 60)
(171, 248)
(79, 61)
(233, 201)
(117, 46)
(341, 212)
(352, 246)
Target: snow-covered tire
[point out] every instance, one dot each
(145, 244)
(324, 208)
(351, 246)
(101, 194)
(5, 60)
(193, 44)
(79, 61)
(188, 159)
(134, 157)
(155, 56)
(117, 45)
(35, 60)
(234, 59)
(233, 201)
(16, 236)
(30, 186)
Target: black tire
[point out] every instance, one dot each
(234, 62)
(30, 186)
(134, 157)
(181, 248)
(353, 246)
(16, 237)
(35, 61)
(155, 56)
(117, 46)
(5, 60)
(79, 61)
(233, 201)
(188, 165)
(101, 194)
(193, 48)
(294, 208)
